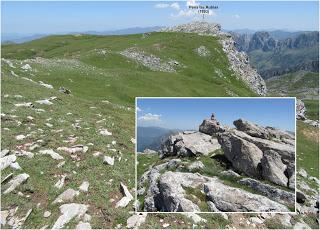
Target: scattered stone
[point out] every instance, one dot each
(20, 137)
(69, 211)
(300, 110)
(46, 85)
(108, 160)
(74, 149)
(46, 214)
(127, 197)
(303, 173)
(53, 154)
(84, 187)
(15, 165)
(195, 217)
(202, 51)
(105, 132)
(197, 165)
(136, 220)
(67, 195)
(60, 182)
(26, 67)
(3, 217)
(44, 102)
(6, 161)
(301, 225)
(4, 153)
(230, 173)
(15, 182)
(83, 226)
(64, 90)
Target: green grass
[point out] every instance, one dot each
(308, 148)
(312, 109)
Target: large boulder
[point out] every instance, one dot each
(230, 199)
(172, 193)
(244, 156)
(300, 110)
(189, 144)
(273, 169)
(210, 126)
(251, 129)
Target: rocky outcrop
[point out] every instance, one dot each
(150, 61)
(239, 62)
(211, 126)
(244, 156)
(260, 152)
(300, 110)
(273, 169)
(271, 192)
(189, 144)
(229, 199)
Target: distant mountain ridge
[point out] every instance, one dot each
(278, 52)
(21, 38)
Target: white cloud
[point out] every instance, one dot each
(174, 6)
(192, 13)
(138, 109)
(150, 117)
(192, 3)
(236, 16)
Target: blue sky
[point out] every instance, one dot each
(60, 17)
(187, 114)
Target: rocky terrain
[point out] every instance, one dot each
(261, 158)
(67, 125)
(238, 60)
(273, 56)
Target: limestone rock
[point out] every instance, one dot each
(53, 154)
(136, 220)
(269, 191)
(69, 211)
(273, 169)
(108, 160)
(83, 226)
(7, 161)
(84, 186)
(243, 155)
(67, 195)
(229, 199)
(210, 126)
(196, 166)
(251, 129)
(15, 182)
(189, 144)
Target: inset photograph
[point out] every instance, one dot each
(215, 154)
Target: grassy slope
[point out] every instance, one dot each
(294, 84)
(76, 63)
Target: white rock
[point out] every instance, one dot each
(74, 149)
(133, 141)
(165, 225)
(25, 104)
(53, 154)
(46, 214)
(105, 132)
(67, 195)
(61, 164)
(256, 220)
(136, 220)
(46, 85)
(113, 142)
(69, 211)
(83, 226)
(108, 160)
(44, 102)
(20, 137)
(123, 202)
(15, 182)
(303, 173)
(84, 186)
(196, 218)
(26, 67)
(6, 161)
(60, 182)
(15, 165)
(4, 152)
(3, 217)
(301, 225)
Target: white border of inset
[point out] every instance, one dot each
(226, 98)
